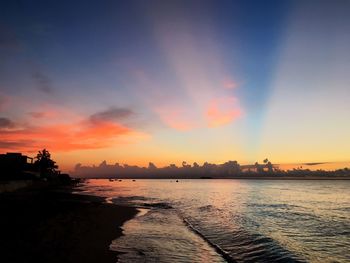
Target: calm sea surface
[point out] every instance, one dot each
(232, 220)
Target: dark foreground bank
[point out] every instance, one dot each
(52, 226)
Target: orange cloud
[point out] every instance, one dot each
(64, 137)
(222, 111)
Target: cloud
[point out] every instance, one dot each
(43, 82)
(222, 111)
(112, 114)
(14, 145)
(314, 163)
(59, 131)
(43, 114)
(6, 123)
(230, 84)
(177, 118)
(37, 115)
(200, 100)
(66, 136)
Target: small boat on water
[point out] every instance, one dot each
(111, 180)
(133, 180)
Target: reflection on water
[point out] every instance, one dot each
(249, 220)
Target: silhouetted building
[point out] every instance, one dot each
(15, 166)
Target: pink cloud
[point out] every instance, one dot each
(222, 111)
(46, 112)
(43, 114)
(177, 118)
(230, 84)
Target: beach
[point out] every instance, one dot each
(58, 226)
(185, 221)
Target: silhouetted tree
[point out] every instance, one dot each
(172, 166)
(45, 164)
(152, 166)
(269, 167)
(185, 165)
(103, 164)
(230, 168)
(258, 167)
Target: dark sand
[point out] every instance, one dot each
(50, 226)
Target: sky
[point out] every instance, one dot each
(172, 81)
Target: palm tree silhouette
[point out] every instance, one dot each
(45, 164)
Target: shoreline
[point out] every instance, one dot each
(59, 226)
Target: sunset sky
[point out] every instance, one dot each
(168, 81)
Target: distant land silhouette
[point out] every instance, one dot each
(16, 166)
(229, 169)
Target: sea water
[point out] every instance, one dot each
(232, 220)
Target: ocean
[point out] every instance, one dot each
(231, 220)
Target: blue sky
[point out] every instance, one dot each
(201, 80)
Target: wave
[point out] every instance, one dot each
(240, 245)
(142, 202)
(246, 246)
(158, 205)
(217, 248)
(274, 206)
(131, 198)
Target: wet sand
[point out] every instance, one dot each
(51, 226)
